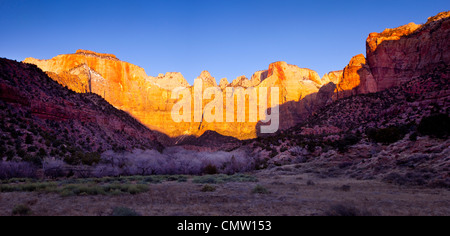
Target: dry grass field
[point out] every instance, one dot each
(272, 192)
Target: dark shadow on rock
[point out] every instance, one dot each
(293, 113)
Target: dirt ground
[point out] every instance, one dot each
(291, 194)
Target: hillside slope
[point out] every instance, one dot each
(40, 118)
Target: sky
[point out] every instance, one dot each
(228, 38)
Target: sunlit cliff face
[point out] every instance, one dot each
(149, 99)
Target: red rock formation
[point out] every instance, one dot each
(170, 80)
(397, 55)
(277, 69)
(242, 81)
(333, 76)
(223, 83)
(351, 78)
(356, 78)
(88, 52)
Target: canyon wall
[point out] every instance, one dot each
(396, 56)
(149, 99)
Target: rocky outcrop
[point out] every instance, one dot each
(243, 82)
(96, 54)
(356, 79)
(208, 80)
(333, 76)
(259, 77)
(223, 83)
(170, 80)
(295, 83)
(302, 92)
(397, 55)
(351, 78)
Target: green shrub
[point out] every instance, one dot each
(31, 149)
(37, 187)
(345, 210)
(29, 139)
(218, 179)
(273, 153)
(125, 188)
(387, 135)
(90, 158)
(210, 170)
(71, 160)
(136, 189)
(42, 152)
(3, 150)
(345, 188)
(48, 143)
(124, 211)
(181, 178)
(435, 126)
(208, 188)
(348, 140)
(413, 137)
(21, 153)
(78, 157)
(260, 190)
(81, 190)
(15, 134)
(21, 210)
(207, 179)
(57, 143)
(10, 154)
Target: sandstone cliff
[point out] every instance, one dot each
(397, 55)
(333, 76)
(148, 99)
(356, 78)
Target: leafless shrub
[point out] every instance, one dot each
(175, 160)
(81, 171)
(54, 168)
(10, 169)
(298, 151)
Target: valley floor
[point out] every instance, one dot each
(291, 193)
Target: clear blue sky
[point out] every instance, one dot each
(228, 38)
